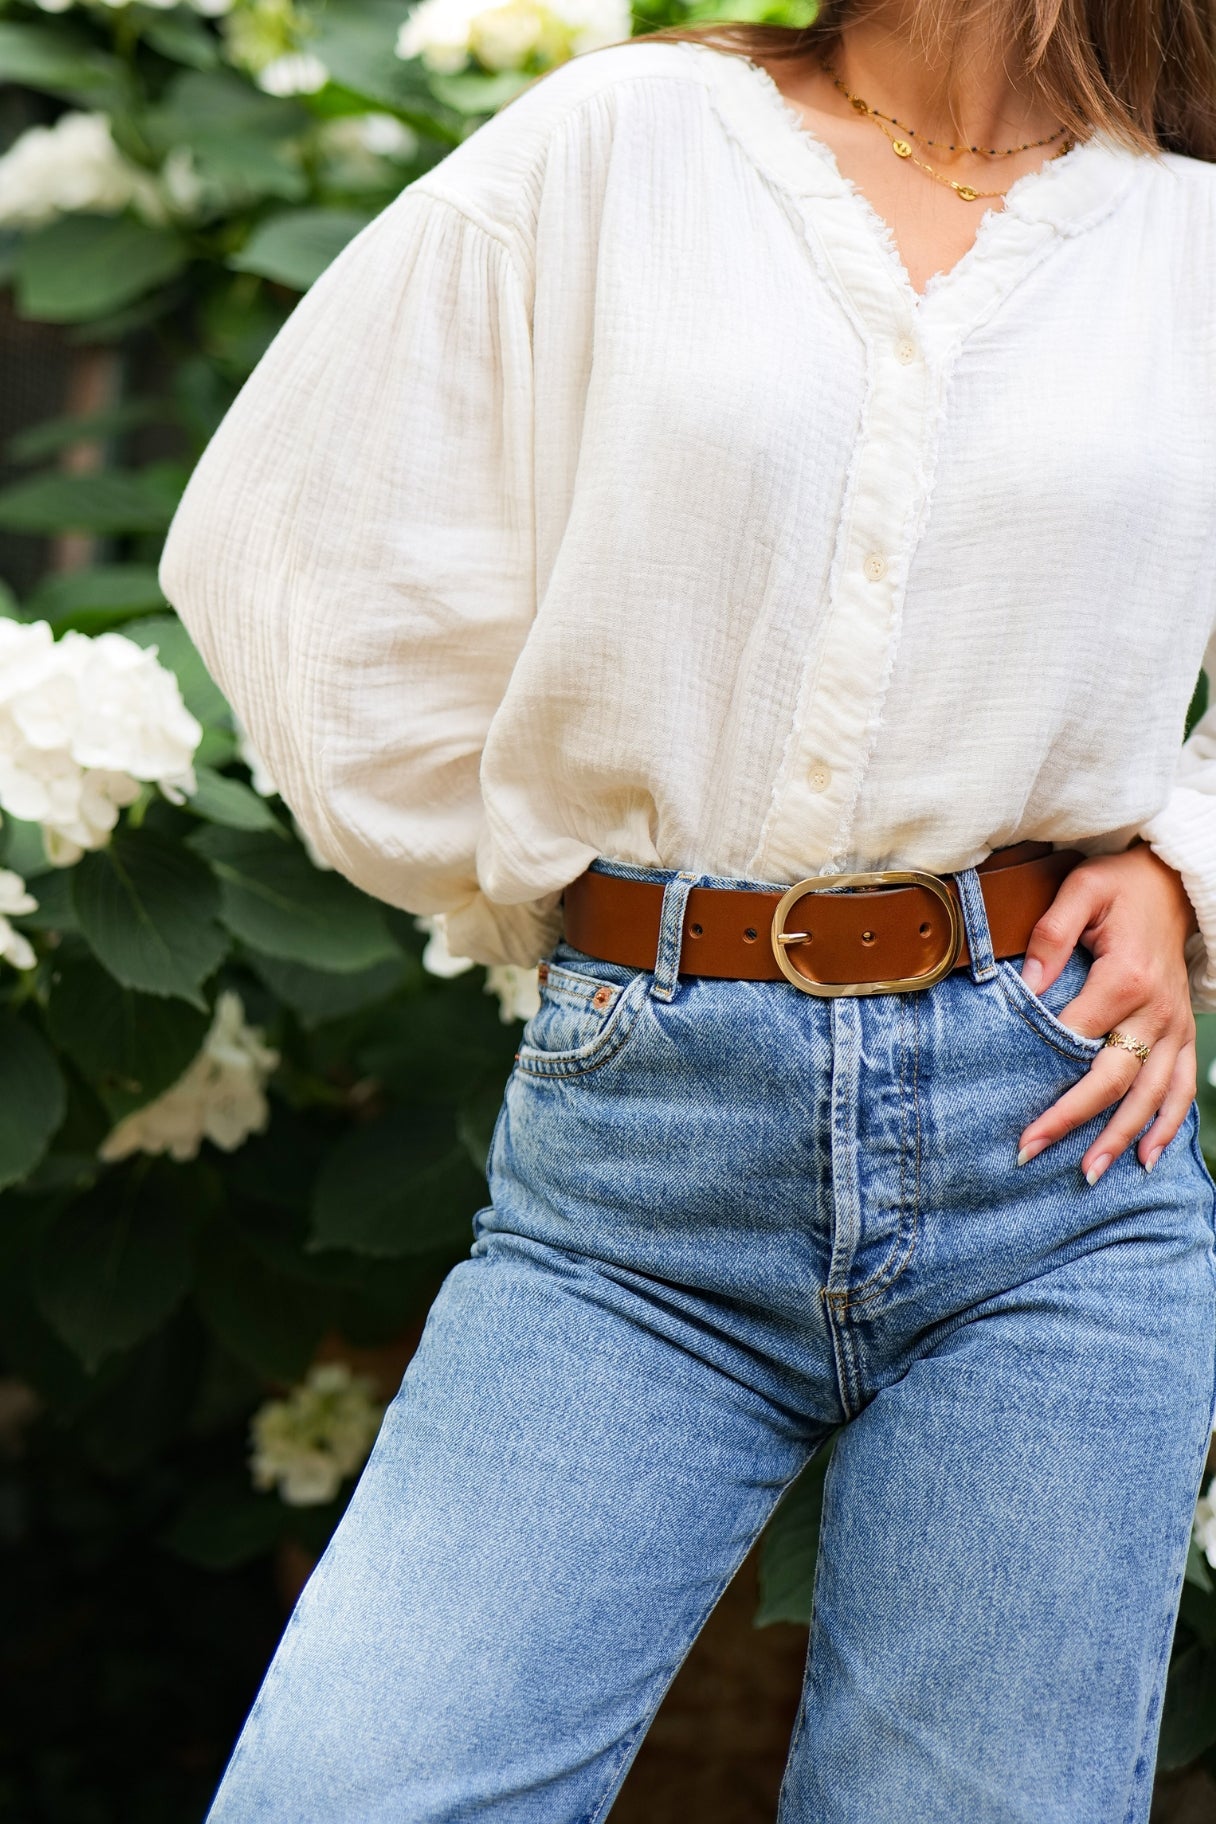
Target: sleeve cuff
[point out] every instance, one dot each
(1183, 834)
(490, 933)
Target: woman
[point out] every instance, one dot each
(698, 491)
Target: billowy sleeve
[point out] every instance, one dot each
(354, 558)
(1183, 833)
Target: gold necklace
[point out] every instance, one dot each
(967, 193)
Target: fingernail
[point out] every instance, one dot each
(1032, 973)
(1029, 1151)
(1152, 1159)
(1097, 1168)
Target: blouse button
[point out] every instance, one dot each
(875, 566)
(905, 350)
(819, 777)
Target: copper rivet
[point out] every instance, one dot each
(542, 972)
(601, 997)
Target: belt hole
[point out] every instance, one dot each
(867, 937)
(926, 930)
(696, 930)
(749, 936)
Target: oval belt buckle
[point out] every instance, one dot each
(782, 939)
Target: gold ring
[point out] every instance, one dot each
(1125, 1040)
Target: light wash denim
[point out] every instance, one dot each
(728, 1218)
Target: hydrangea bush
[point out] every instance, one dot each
(244, 1109)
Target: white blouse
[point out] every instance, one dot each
(615, 493)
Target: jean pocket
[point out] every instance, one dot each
(588, 1011)
(1041, 1011)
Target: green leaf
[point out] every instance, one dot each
(318, 995)
(478, 92)
(229, 802)
(33, 1098)
(114, 1265)
(241, 140)
(84, 265)
(178, 653)
(146, 907)
(52, 888)
(275, 901)
(130, 1046)
(23, 850)
(790, 1546)
(109, 501)
(356, 42)
(54, 434)
(1188, 1719)
(263, 1317)
(1199, 702)
(57, 60)
(225, 1524)
(403, 1185)
(183, 38)
(295, 248)
(94, 601)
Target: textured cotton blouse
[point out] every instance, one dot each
(614, 492)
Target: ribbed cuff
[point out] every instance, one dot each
(1183, 834)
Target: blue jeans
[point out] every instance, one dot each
(728, 1218)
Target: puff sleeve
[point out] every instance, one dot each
(353, 556)
(1183, 833)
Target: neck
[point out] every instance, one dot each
(889, 54)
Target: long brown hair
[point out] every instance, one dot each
(1143, 70)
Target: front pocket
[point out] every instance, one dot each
(1040, 1017)
(588, 1009)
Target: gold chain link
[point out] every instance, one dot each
(968, 193)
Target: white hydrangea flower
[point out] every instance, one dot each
(368, 137)
(1212, 1073)
(308, 1443)
(446, 34)
(53, 6)
(437, 959)
(82, 722)
(1205, 1524)
(14, 901)
(294, 73)
(221, 1097)
(69, 167)
(518, 991)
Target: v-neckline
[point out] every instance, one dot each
(1062, 195)
(879, 226)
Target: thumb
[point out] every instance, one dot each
(1055, 936)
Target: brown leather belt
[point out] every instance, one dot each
(830, 934)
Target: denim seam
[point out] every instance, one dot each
(1145, 1765)
(616, 1034)
(633, 1739)
(804, 1705)
(897, 1262)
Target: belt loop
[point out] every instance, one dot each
(671, 935)
(975, 921)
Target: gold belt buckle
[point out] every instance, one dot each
(783, 940)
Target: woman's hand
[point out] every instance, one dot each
(1131, 910)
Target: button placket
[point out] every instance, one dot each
(818, 786)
